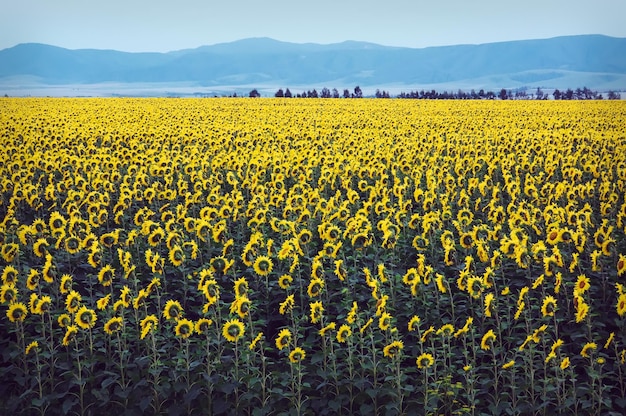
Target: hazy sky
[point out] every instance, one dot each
(139, 25)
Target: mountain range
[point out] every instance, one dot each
(595, 61)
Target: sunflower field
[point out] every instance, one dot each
(275, 256)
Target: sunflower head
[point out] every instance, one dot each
(425, 361)
(263, 265)
(283, 339)
(297, 355)
(184, 328)
(173, 310)
(203, 325)
(85, 318)
(113, 325)
(17, 312)
(233, 330)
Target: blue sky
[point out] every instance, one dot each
(160, 26)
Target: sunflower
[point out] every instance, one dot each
(9, 251)
(17, 312)
(565, 362)
(582, 309)
(43, 305)
(33, 346)
(66, 284)
(110, 239)
(72, 301)
(8, 294)
(286, 305)
(466, 240)
(70, 334)
(285, 281)
(488, 340)
(384, 321)
(283, 339)
(85, 318)
(176, 255)
(414, 323)
(156, 236)
(233, 330)
(590, 346)
(40, 247)
(340, 270)
(621, 305)
(330, 327)
(554, 237)
(488, 304)
(211, 290)
(446, 330)
(240, 306)
(316, 311)
(203, 325)
(411, 277)
(9, 276)
(113, 325)
(64, 320)
(315, 287)
(474, 286)
(103, 302)
(361, 240)
(343, 333)
(147, 325)
(297, 355)
(425, 360)
(184, 328)
(125, 296)
(48, 272)
(557, 344)
(582, 285)
(609, 340)
(621, 265)
(173, 310)
(263, 265)
(426, 333)
(57, 221)
(255, 341)
(105, 275)
(392, 350)
(508, 364)
(241, 287)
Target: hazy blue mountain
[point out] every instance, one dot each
(549, 62)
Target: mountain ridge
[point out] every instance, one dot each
(266, 62)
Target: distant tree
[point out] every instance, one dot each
(314, 94)
(279, 93)
(539, 94)
(335, 93)
(614, 95)
(556, 94)
(325, 93)
(287, 93)
(569, 94)
(304, 94)
(503, 94)
(481, 93)
(346, 93)
(378, 94)
(357, 92)
(254, 93)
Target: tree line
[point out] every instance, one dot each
(504, 94)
